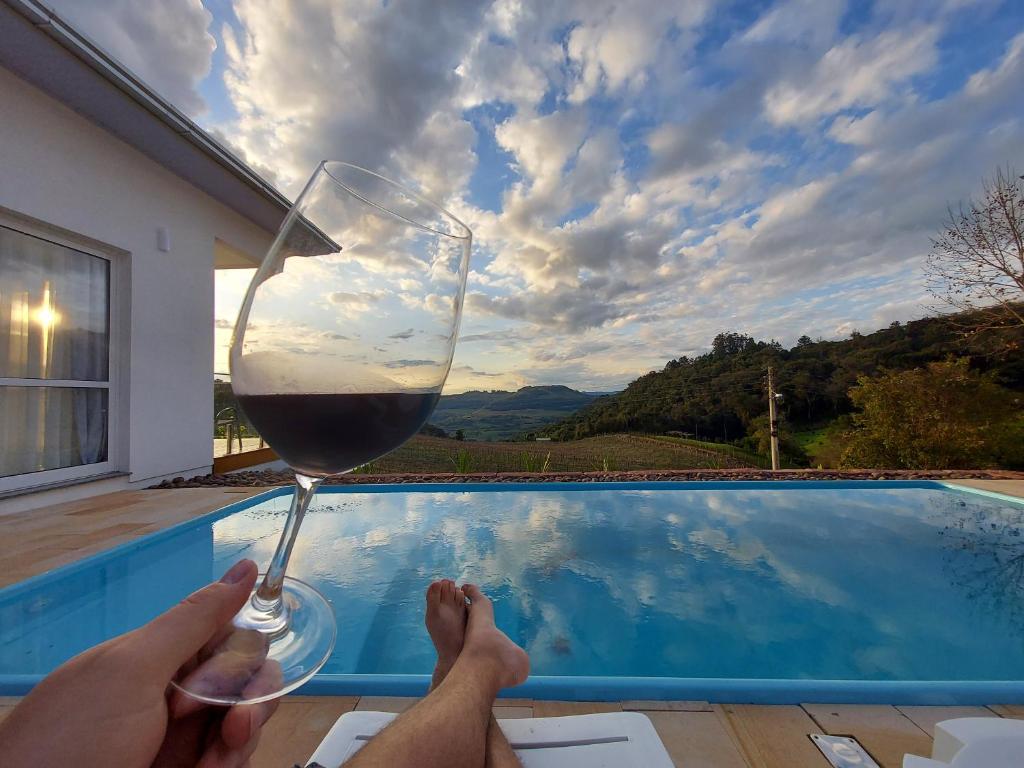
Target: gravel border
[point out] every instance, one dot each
(273, 477)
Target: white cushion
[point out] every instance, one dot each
(953, 735)
(605, 740)
(974, 742)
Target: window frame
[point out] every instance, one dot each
(117, 346)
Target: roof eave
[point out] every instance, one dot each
(47, 52)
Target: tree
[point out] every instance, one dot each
(943, 416)
(432, 430)
(759, 441)
(977, 263)
(725, 344)
(719, 395)
(460, 435)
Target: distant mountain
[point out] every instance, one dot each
(501, 415)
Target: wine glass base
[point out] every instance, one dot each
(252, 665)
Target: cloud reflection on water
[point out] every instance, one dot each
(822, 584)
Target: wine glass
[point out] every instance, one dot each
(341, 348)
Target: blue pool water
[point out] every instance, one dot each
(777, 581)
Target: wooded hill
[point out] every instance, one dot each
(722, 396)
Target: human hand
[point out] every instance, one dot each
(111, 705)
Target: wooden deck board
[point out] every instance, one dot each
(696, 739)
(665, 706)
(926, 718)
(562, 708)
(395, 704)
(772, 736)
(298, 726)
(885, 732)
(1008, 710)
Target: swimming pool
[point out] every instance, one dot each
(739, 591)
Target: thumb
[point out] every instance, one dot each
(174, 637)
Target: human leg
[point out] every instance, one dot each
(445, 617)
(450, 726)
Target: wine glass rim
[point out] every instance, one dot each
(327, 164)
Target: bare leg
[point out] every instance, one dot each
(449, 728)
(445, 618)
(499, 752)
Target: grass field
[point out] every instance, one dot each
(745, 458)
(593, 454)
(820, 450)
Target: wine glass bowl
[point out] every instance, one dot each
(350, 323)
(343, 342)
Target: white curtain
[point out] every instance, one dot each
(54, 324)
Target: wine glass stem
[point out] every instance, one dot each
(269, 593)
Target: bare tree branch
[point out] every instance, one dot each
(976, 264)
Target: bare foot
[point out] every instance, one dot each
(486, 643)
(446, 623)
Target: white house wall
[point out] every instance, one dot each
(61, 169)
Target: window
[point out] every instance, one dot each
(55, 370)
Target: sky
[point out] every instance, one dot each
(639, 176)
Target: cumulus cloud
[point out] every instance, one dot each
(855, 73)
(366, 81)
(638, 176)
(542, 145)
(167, 44)
(811, 22)
(405, 363)
(548, 309)
(361, 300)
(612, 45)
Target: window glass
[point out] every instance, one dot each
(51, 428)
(54, 310)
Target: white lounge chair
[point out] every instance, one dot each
(606, 740)
(974, 742)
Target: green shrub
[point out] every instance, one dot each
(943, 416)
(463, 462)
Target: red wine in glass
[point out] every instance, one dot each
(315, 433)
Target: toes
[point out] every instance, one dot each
(477, 598)
(434, 593)
(444, 592)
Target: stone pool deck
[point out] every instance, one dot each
(696, 734)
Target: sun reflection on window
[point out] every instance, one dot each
(47, 318)
(45, 315)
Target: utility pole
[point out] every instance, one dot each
(773, 422)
